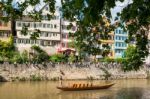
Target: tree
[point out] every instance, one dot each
(132, 60)
(6, 49)
(88, 15)
(39, 55)
(137, 18)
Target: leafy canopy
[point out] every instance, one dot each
(88, 15)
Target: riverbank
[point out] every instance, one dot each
(26, 72)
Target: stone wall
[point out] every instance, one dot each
(49, 71)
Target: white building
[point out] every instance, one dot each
(54, 36)
(48, 40)
(148, 58)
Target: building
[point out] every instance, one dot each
(49, 37)
(65, 37)
(110, 43)
(119, 42)
(148, 58)
(5, 28)
(48, 40)
(53, 38)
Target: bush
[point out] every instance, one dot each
(71, 58)
(120, 60)
(15, 59)
(57, 58)
(1, 60)
(109, 60)
(35, 78)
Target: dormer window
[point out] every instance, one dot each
(46, 8)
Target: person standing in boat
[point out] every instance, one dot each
(61, 77)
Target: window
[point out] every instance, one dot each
(19, 41)
(23, 24)
(42, 42)
(34, 25)
(116, 31)
(55, 26)
(44, 25)
(49, 43)
(49, 35)
(26, 24)
(119, 44)
(25, 41)
(116, 37)
(48, 25)
(28, 41)
(46, 34)
(46, 8)
(119, 31)
(40, 24)
(116, 44)
(32, 41)
(15, 41)
(51, 25)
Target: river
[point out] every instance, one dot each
(123, 89)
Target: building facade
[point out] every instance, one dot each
(119, 42)
(148, 58)
(65, 37)
(5, 28)
(53, 37)
(110, 43)
(49, 37)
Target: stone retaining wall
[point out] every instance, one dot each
(23, 72)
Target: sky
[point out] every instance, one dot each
(114, 11)
(119, 7)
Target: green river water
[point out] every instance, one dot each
(123, 89)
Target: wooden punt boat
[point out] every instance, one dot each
(94, 87)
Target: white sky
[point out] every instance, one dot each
(119, 7)
(116, 9)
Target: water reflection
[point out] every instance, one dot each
(130, 93)
(96, 94)
(123, 89)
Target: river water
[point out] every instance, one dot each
(123, 89)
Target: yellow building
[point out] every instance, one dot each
(110, 42)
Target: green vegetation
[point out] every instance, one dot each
(71, 58)
(62, 58)
(109, 60)
(133, 61)
(35, 78)
(91, 23)
(39, 55)
(6, 49)
(58, 58)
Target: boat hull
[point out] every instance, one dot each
(85, 88)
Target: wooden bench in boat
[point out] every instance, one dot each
(78, 87)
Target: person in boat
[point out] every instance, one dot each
(61, 78)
